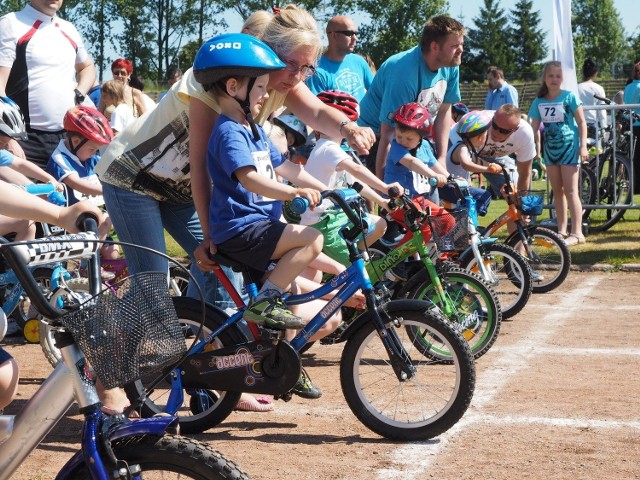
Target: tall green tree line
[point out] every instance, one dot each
(162, 33)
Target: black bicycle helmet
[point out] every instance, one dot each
(11, 120)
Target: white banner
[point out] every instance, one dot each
(563, 43)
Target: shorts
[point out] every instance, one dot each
(334, 245)
(255, 245)
(4, 356)
(40, 145)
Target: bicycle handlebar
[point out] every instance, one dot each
(47, 250)
(610, 102)
(53, 195)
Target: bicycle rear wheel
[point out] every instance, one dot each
(170, 457)
(420, 407)
(614, 188)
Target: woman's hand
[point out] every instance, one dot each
(360, 138)
(202, 258)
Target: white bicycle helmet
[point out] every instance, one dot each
(11, 120)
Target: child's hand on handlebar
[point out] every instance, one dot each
(312, 195)
(494, 168)
(442, 180)
(68, 215)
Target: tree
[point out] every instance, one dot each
(395, 26)
(489, 43)
(527, 41)
(598, 33)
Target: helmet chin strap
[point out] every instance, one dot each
(246, 108)
(75, 149)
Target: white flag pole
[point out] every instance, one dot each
(563, 43)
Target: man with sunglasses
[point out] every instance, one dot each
(339, 68)
(509, 136)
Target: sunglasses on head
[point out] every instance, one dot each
(347, 33)
(504, 131)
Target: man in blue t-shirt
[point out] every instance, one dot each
(427, 74)
(339, 68)
(500, 92)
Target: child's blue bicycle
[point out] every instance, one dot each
(123, 336)
(395, 389)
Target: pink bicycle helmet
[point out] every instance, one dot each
(413, 115)
(342, 101)
(89, 123)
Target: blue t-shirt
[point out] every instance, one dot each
(394, 171)
(499, 96)
(231, 147)
(405, 78)
(6, 158)
(353, 75)
(632, 95)
(561, 141)
(63, 163)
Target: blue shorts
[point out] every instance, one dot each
(254, 247)
(4, 356)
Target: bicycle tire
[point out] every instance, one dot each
(511, 275)
(478, 315)
(588, 192)
(186, 457)
(178, 281)
(550, 256)
(201, 409)
(419, 408)
(601, 220)
(79, 286)
(23, 310)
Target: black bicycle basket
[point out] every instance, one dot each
(129, 331)
(450, 231)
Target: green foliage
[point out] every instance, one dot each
(527, 41)
(598, 33)
(396, 25)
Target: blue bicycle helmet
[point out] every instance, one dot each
(459, 108)
(232, 54)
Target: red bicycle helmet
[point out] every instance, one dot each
(89, 123)
(413, 115)
(342, 101)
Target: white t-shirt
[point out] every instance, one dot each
(322, 163)
(44, 90)
(586, 92)
(121, 116)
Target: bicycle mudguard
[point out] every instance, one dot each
(390, 307)
(253, 367)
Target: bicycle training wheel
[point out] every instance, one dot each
(169, 457)
(418, 408)
(548, 255)
(23, 311)
(200, 408)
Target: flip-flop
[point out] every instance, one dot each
(249, 403)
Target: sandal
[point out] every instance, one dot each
(574, 239)
(249, 403)
(564, 235)
(114, 411)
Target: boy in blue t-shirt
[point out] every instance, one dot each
(246, 202)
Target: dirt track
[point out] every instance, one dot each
(556, 397)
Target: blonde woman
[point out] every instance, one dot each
(118, 111)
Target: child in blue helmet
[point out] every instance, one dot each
(246, 203)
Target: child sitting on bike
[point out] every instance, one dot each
(17, 170)
(247, 196)
(334, 167)
(75, 158)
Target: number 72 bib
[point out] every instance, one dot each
(552, 112)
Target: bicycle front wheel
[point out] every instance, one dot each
(421, 407)
(170, 457)
(548, 255)
(510, 272)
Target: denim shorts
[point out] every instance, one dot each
(255, 245)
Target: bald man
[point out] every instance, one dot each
(339, 68)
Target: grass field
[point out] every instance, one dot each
(617, 246)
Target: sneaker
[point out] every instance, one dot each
(305, 387)
(536, 276)
(272, 313)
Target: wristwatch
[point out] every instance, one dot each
(79, 96)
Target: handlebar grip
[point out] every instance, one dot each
(433, 181)
(57, 198)
(87, 222)
(299, 205)
(602, 99)
(393, 192)
(39, 188)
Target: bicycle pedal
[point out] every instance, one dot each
(285, 396)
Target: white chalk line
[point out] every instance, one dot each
(413, 460)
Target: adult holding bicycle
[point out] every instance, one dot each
(427, 74)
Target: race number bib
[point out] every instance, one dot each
(420, 183)
(552, 112)
(265, 168)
